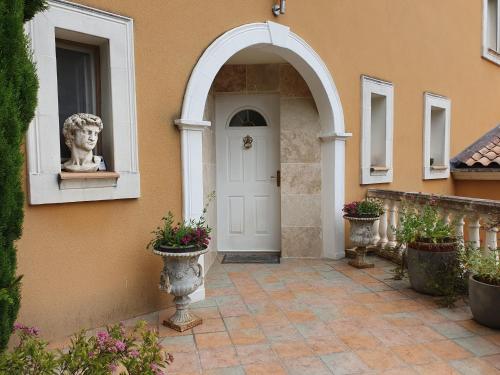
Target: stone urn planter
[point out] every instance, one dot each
(430, 266)
(181, 276)
(361, 235)
(484, 300)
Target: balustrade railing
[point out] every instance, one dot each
(476, 220)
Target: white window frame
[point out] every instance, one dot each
(80, 23)
(492, 55)
(371, 86)
(436, 101)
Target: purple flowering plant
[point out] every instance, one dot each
(183, 234)
(109, 352)
(368, 207)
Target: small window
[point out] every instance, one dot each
(377, 124)
(491, 30)
(247, 117)
(78, 84)
(436, 136)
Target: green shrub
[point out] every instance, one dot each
(109, 352)
(483, 264)
(18, 91)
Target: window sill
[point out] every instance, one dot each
(492, 56)
(439, 167)
(71, 180)
(378, 171)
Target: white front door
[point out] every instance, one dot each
(248, 159)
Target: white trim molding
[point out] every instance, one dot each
(280, 40)
(491, 38)
(437, 120)
(373, 170)
(114, 36)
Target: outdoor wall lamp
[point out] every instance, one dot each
(279, 9)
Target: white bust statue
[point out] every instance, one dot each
(81, 132)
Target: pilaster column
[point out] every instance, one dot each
(192, 178)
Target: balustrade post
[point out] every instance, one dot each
(474, 227)
(393, 223)
(383, 228)
(375, 231)
(459, 225)
(491, 238)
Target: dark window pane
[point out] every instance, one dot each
(75, 87)
(247, 117)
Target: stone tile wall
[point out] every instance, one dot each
(301, 228)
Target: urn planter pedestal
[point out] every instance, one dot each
(361, 236)
(181, 276)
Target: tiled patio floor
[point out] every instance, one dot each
(307, 317)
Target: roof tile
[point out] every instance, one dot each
(485, 152)
(491, 155)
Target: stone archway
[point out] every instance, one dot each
(281, 41)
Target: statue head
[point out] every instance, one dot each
(81, 131)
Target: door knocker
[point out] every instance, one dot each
(247, 142)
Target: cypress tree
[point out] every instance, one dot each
(18, 98)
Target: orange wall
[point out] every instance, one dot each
(85, 264)
(478, 189)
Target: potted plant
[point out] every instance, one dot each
(183, 237)
(361, 216)
(431, 254)
(180, 246)
(484, 284)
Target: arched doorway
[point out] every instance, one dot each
(279, 40)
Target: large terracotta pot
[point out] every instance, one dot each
(181, 276)
(361, 235)
(430, 266)
(484, 300)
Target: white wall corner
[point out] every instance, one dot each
(440, 170)
(279, 34)
(369, 172)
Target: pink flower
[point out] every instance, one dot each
(133, 353)
(120, 345)
(112, 367)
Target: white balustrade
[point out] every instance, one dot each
(393, 222)
(376, 232)
(383, 228)
(474, 234)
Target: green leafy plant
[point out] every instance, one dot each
(423, 225)
(369, 207)
(483, 264)
(109, 352)
(18, 98)
(183, 234)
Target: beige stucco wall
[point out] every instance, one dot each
(85, 264)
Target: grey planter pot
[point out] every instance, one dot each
(428, 271)
(484, 300)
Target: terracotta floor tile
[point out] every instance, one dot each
(392, 295)
(430, 316)
(360, 341)
(221, 357)
(326, 345)
(493, 360)
(237, 309)
(392, 337)
(400, 371)
(206, 312)
(356, 311)
(180, 344)
(240, 322)
(287, 349)
(306, 365)
(271, 368)
(456, 314)
(236, 370)
(212, 340)
(452, 330)
(414, 354)
(366, 297)
(403, 320)
(261, 353)
(210, 325)
(478, 329)
(344, 326)
(380, 359)
(247, 336)
(169, 332)
(184, 362)
(478, 345)
(300, 316)
(281, 332)
(313, 329)
(495, 339)
(474, 366)
(438, 368)
(448, 350)
(344, 363)
(423, 334)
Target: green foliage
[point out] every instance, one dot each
(139, 353)
(484, 264)
(369, 207)
(424, 225)
(186, 233)
(18, 90)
